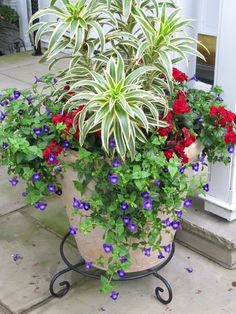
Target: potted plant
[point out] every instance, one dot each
(112, 136)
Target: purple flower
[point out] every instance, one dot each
(113, 179)
(52, 159)
(4, 103)
(107, 248)
(147, 204)
(194, 78)
(14, 181)
(175, 224)
(201, 159)
(123, 259)
(195, 167)
(36, 176)
(124, 205)
(30, 100)
(78, 203)
(179, 213)
(165, 169)
(116, 163)
(161, 256)
(86, 206)
(132, 227)
(230, 149)
(40, 205)
(126, 220)
(200, 117)
(206, 187)
(189, 269)
(121, 273)
(145, 195)
(147, 251)
(59, 192)
(24, 194)
(11, 98)
(157, 182)
(167, 222)
(218, 98)
(112, 143)
(167, 248)
(16, 94)
(66, 144)
(37, 80)
(46, 129)
(59, 169)
(114, 295)
(38, 131)
(16, 257)
(88, 265)
(188, 202)
(51, 188)
(73, 230)
(55, 81)
(3, 115)
(5, 145)
(181, 169)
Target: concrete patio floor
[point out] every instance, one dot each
(24, 285)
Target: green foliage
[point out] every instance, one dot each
(7, 14)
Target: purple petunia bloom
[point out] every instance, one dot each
(123, 259)
(38, 131)
(124, 205)
(16, 257)
(37, 80)
(116, 163)
(11, 98)
(206, 187)
(145, 194)
(14, 181)
(114, 295)
(188, 202)
(121, 273)
(157, 182)
(59, 169)
(40, 205)
(200, 117)
(4, 103)
(112, 143)
(126, 220)
(3, 116)
(165, 169)
(161, 256)
(88, 265)
(24, 194)
(36, 176)
(231, 149)
(52, 159)
(166, 222)
(59, 192)
(175, 224)
(113, 178)
(46, 129)
(179, 213)
(66, 144)
(73, 230)
(167, 248)
(195, 167)
(218, 98)
(181, 169)
(201, 158)
(86, 206)
(147, 204)
(16, 94)
(147, 251)
(107, 248)
(189, 269)
(194, 78)
(78, 203)
(5, 145)
(132, 227)
(51, 188)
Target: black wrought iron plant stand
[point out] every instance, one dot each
(137, 275)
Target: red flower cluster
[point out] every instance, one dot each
(225, 118)
(180, 105)
(67, 119)
(51, 152)
(167, 130)
(179, 76)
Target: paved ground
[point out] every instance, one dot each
(36, 236)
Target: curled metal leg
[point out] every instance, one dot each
(65, 284)
(160, 290)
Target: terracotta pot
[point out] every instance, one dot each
(91, 245)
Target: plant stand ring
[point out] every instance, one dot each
(132, 276)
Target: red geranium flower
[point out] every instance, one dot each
(180, 105)
(230, 136)
(169, 153)
(165, 131)
(179, 76)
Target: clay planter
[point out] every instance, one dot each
(91, 245)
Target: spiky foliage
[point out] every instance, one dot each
(121, 57)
